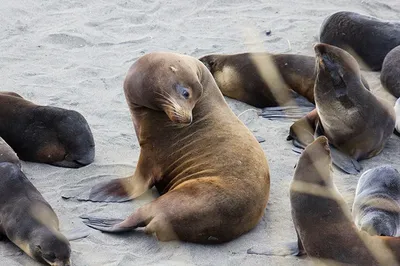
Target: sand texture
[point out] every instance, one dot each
(75, 54)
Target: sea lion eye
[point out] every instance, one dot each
(183, 91)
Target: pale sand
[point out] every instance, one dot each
(75, 55)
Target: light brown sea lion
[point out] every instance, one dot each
(323, 222)
(202, 159)
(367, 38)
(356, 122)
(45, 134)
(239, 77)
(390, 74)
(26, 218)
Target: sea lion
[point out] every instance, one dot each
(356, 122)
(238, 77)
(207, 166)
(390, 74)
(367, 38)
(322, 220)
(376, 207)
(45, 134)
(26, 218)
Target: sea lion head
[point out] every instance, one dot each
(165, 82)
(51, 248)
(211, 62)
(314, 165)
(338, 68)
(75, 137)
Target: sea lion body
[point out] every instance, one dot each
(238, 77)
(208, 171)
(26, 218)
(376, 207)
(367, 38)
(323, 222)
(390, 74)
(45, 134)
(351, 117)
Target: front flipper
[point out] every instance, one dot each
(302, 131)
(344, 162)
(105, 225)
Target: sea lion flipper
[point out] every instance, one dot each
(104, 224)
(110, 191)
(344, 162)
(77, 233)
(285, 112)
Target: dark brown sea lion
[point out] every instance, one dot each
(376, 207)
(367, 38)
(247, 77)
(202, 159)
(356, 122)
(323, 222)
(390, 74)
(45, 134)
(26, 218)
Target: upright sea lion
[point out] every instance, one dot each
(45, 134)
(202, 159)
(390, 74)
(239, 77)
(322, 221)
(356, 122)
(367, 38)
(376, 207)
(25, 216)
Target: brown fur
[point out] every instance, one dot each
(322, 220)
(212, 173)
(238, 77)
(45, 134)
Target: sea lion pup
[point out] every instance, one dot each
(206, 164)
(376, 207)
(238, 77)
(367, 38)
(323, 222)
(390, 74)
(45, 134)
(26, 218)
(356, 122)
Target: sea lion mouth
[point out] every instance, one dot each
(180, 117)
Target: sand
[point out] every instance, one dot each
(75, 54)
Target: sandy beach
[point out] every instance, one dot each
(75, 54)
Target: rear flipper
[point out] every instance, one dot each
(285, 112)
(344, 162)
(116, 190)
(76, 234)
(105, 225)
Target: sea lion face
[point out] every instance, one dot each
(51, 248)
(180, 101)
(168, 83)
(336, 65)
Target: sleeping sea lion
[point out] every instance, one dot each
(45, 134)
(376, 207)
(367, 38)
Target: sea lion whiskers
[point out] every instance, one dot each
(175, 111)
